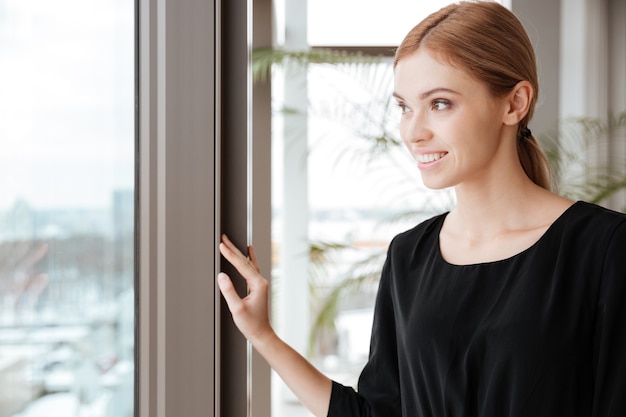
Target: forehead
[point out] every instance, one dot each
(425, 69)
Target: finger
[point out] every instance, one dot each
(232, 250)
(230, 245)
(228, 291)
(252, 256)
(251, 253)
(235, 257)
(241, 262)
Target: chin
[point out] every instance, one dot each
(433, 184)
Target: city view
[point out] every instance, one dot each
(67, 310)
(67, 208)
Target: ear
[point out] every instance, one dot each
(518, 103)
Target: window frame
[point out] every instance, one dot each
(194, 161)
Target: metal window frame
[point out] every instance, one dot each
(196, 164)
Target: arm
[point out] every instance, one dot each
(610, 338)
(250, 314)
(378, 392)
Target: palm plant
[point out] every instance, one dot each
(569, 148)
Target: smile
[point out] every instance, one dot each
(430, 157)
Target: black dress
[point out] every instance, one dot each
(542, 333)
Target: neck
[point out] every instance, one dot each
(488, 209)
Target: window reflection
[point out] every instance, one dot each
(66, 208)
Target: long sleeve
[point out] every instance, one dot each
(610, 331)
(379, 388)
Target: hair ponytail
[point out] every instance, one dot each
(534, 161)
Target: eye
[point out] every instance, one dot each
(404, 109)
(440, 104)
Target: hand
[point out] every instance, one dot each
(251, 317)
(251, 313)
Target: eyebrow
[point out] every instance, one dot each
(430, 92)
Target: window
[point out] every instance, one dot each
(67, 208)
(365, 23)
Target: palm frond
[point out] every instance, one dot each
(365, 273)
(568, 148)
(263, 59)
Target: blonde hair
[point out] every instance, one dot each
(489, 42)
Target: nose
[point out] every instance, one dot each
(414, 129)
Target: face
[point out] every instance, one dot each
(450, 122)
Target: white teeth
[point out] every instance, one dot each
(430, 157)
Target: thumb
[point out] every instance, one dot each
(228, 291)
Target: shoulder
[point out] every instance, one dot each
(426, 232)
(594, 237)
(411, 247)
(591, 221)
(590, 210)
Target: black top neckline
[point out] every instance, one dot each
(549, 231)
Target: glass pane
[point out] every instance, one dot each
(366, 22)
(66, 208)
(335, 135)
(363, 190)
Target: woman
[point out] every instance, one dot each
(513, 303)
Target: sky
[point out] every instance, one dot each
(66, 101)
